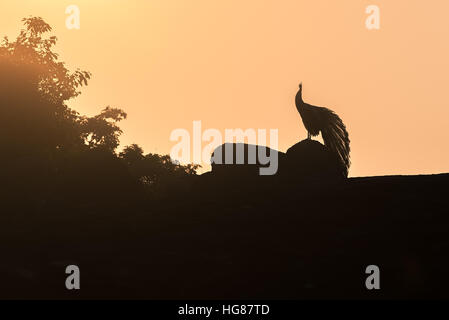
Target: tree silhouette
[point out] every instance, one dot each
(154, 170)
(36, 89)
(102, 131)
(31, 48)
(46, 144)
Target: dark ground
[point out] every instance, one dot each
(227, 240)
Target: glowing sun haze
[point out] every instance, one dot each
(237, 64)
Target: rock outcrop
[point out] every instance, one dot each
(309, 159)
(306, 160)
(241, 160)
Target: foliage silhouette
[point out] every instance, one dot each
(49, 148)
(155, 172)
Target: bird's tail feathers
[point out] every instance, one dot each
(336, 137)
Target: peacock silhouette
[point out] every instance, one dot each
(332, 128)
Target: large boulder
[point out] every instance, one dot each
(305, 161)
(241, 161)
(310, 159)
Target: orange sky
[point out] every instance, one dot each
(237, 64)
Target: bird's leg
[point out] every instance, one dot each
(309, 136)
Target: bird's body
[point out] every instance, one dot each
(320, 119)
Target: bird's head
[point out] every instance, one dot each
(298, 97)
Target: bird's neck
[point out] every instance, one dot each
(298, 100)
